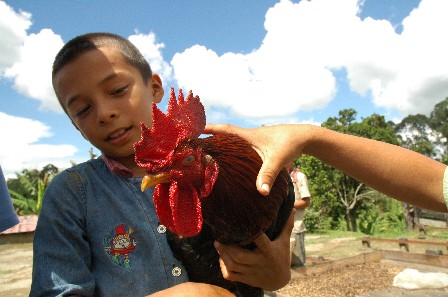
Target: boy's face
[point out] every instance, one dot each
(106, 99)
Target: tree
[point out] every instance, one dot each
(332, 184)
(28, 188)
(427, 136)
(415, 133)
(322, 190)
(438, 119)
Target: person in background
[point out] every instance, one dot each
(8, 217)
(302, 201)
(393, 170)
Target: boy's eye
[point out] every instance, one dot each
(119, 91)
(83, 111)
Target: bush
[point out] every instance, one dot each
(316, 220)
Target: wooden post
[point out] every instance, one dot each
(366, 241)
(403, 244)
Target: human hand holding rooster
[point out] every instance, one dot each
(272, 143)
(268, 266)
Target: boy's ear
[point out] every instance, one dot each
(157, 88)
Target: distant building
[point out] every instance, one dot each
(22, 232)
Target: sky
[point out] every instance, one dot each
(251, 62)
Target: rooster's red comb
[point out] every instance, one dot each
(184, 119)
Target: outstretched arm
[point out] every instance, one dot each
(395, 171)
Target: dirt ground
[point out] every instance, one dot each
(364, 280)
(15, 269)
(373, 279)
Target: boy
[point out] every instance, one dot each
(98, 234)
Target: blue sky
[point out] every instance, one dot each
(252, 62)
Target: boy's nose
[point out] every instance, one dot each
(106, 113)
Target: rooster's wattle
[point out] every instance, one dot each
(205, 190)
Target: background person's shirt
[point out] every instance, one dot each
(301, 190)
(8, 217)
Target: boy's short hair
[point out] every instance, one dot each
(86, 42)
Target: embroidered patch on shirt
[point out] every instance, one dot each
(119, 245)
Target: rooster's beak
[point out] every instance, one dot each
(152, 180)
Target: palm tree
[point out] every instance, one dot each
(28, 189)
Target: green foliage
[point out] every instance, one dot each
(28, 188)
(341, 224)
(350, 205)
(92, 154)
(317, 220)
(323, 192)
(388, 221)
(350, 192)
(438, 118)
(413, 133)
(426, 135)
(312, 219)
(22, 204)
(380, 214)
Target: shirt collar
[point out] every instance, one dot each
(116, 167)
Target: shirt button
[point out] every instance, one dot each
(161, 229)
(176, 271)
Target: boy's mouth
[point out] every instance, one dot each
(117, 133)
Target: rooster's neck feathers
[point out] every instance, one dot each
(184, 119)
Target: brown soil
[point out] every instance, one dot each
(352, 281)
(371, 279)
(15, 269)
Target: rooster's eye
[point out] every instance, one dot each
(188, 160)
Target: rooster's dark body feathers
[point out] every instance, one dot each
(234, 212)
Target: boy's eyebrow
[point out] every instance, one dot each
(107, 78)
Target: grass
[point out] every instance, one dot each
(332, 244)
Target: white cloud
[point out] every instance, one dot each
(151, 50)
(257, 122)
(22, 148)
(26, 60)
(31, 74)
(291, 70)
(13, 28)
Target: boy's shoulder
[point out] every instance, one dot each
(91, 169)
(90, 165)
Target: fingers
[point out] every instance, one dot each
(235, 271)
(233, 255)
(261, 143)
(266, 177)
(221, 128)
(263, 243)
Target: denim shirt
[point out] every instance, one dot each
(98, 235)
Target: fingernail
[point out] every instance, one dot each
(265, 187)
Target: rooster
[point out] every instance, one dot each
(205, 190)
